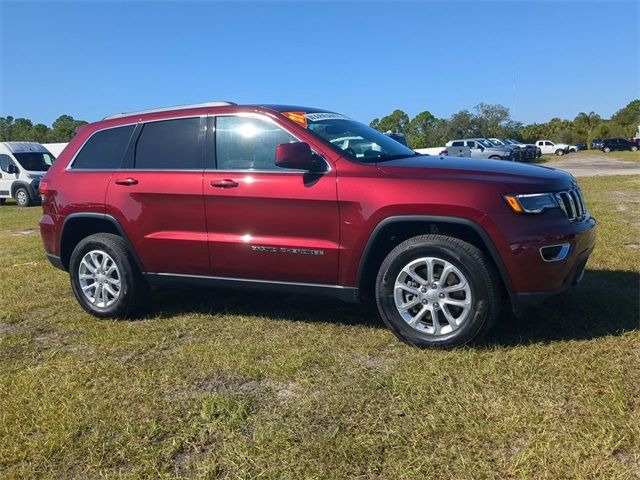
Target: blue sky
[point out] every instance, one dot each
(364, 59)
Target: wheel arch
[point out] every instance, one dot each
(80, 225)
(392, 231)
(20, 184)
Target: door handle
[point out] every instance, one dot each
(226, 183)
(126, 181)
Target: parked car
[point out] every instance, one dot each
(483, 148)
(527, 152)
(581, 146)
(547, 146)
(22, 166)
(264, 197)
(611, 144)
(398, 137)
(596, 144)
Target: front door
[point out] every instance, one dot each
(264, 222)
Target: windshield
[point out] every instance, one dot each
(356, 140)
(496, 142)
(484, 142)
(35, 161)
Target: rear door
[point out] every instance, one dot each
(6, 178)
(264, 222)
(157, 195)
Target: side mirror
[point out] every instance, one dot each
(298, 155)
(11, 169)
(481, 149)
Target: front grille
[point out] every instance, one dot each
(572, 204)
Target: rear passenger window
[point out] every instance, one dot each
(104, 149)
(169, 145)
(244, 143)
(457, 144)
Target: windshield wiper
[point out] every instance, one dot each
(383, 157)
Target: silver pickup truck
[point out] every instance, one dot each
(483, 148)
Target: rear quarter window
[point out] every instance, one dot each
(104, 149)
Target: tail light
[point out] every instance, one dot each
(43, 188)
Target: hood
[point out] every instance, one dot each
(520, 177)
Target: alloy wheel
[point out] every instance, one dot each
(433, 296)
(99, 278)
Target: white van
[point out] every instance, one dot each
(22, 166)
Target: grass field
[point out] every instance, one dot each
(628, 156)
(225, 384)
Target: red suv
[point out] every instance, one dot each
(304, 200)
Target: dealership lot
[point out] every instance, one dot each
(596, 163)
(244, 384)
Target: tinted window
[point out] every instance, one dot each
(169, 145)
(244, 143)
(104, 149)
(35, 161)
(5, 161)
(471, 144)
(457, 144)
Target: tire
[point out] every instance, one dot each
(572, 150)
(468, 262)
(22, 197)
(495, 157)
(606, 149)
(2, 200)
(559, 152)
(132, 290)
(634, 148)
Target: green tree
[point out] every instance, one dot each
(64, 128)
(21, 130)
(421, 129)
(627, 118)
(587, 123)
(6, 124)
(397, 122)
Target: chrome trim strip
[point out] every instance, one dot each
(249, 280)
(562, 254)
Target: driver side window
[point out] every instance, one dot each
(5, 161)
(246, 143)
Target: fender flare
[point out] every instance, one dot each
(114, 222)
(484, 237)
(22, 183)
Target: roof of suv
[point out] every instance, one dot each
(208, 105)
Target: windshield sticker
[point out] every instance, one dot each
(317, 117)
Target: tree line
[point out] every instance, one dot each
(23, 130)
(424, 130)
(494, 121)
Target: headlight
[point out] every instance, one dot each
(531, 202)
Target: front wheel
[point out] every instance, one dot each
(495, 157)
(606, 149)
(104, 277)
(634, 148)
(23, 197)
(437, 291)
(559, 152)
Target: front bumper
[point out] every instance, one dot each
(543, 280)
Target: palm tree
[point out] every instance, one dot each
(588, 122)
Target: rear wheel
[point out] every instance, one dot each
(559, 152)
(104, 277)
(2, 200)
(437, 291)
(495, 157)
(22, 197)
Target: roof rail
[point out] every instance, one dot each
(167, 109)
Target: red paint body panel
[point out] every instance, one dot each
(178, 223)
(270, 209)
(163, 215)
